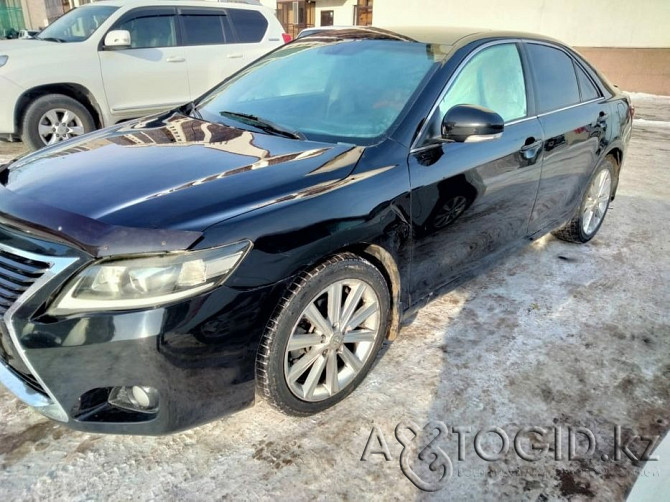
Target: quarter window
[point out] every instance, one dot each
(250, 25)
(151, 31)
(588, 90)
(554, 76)
(203, 30)
(494, 79)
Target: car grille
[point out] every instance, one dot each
(17, 274)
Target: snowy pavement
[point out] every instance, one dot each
(556, 336)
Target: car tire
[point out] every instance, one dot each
(53, 118)
(594, 205)
(285, 377)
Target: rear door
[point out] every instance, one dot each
(470, 199)
(573, 115)
(208, 40)
(151, 75)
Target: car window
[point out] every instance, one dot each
(588, 90)
(151, 31)
(494, 79)
(77, 24)
(203, 29)
(250, 25)
(555, 77)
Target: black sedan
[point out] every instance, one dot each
(268, 237)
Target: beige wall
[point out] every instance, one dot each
(585, 23)
(343, 11)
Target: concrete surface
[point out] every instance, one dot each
(554, 336)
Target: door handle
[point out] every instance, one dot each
(175, 59)
(531, 148)
(234, 56)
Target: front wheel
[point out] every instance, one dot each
(591, 214)
(53, 118)
(324, 336)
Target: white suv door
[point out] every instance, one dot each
(221, 41)
(152, 74)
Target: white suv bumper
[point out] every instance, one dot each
(10, 93)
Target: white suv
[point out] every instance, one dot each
(110, 61)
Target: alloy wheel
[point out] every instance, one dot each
(597, 200)
(59, 124)
(332, 340)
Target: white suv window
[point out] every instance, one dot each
(204, 29)
(250, 25)
(151, 31)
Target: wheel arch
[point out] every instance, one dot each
(72, 90)
(617, 154)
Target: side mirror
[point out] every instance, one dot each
(470, 123)
(117, 39)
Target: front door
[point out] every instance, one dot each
(151, 75)
(470, 199)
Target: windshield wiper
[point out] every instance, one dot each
(52, 39)
(264, 125)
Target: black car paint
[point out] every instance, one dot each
(298, 202)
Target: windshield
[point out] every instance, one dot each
(77, 25)
(346, 91)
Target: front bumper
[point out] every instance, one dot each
(10, 93)
(198, 354)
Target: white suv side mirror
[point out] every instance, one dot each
(117, 38)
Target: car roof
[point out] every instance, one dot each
(253, 4)
(442, 35)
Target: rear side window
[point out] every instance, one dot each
(586, 87)
(203, 29)
(250, 25)
(555, 77)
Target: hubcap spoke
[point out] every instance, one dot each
(76, 130)
(45, 130)
(360, 335)
(314, 316)
(596, 202)
(52, 116)
(298, 342)
(350, 305)
(350, 359)
(332, 382)
(67, 117)
(303, 363)
(361, 315)
(314, 376)
(334, 302)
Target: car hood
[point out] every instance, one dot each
(169, 172)
(23, 47)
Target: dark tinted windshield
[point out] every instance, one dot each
(78, 24)
(349, 91)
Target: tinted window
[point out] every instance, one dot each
(203, 30)
(493, 78)
(555, 76)
(151, 31)
(250, 25)
(589, 90)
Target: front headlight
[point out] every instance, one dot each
(151, 281)
(3, 60)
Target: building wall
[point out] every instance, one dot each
(629, 40)
(343, 11)
(590, 23)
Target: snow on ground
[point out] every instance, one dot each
(555, 335)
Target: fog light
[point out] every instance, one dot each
(135, 398)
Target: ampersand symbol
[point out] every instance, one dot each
(428, 452)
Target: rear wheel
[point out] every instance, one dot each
(53, 118)
(324, 337)
(591, 214)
